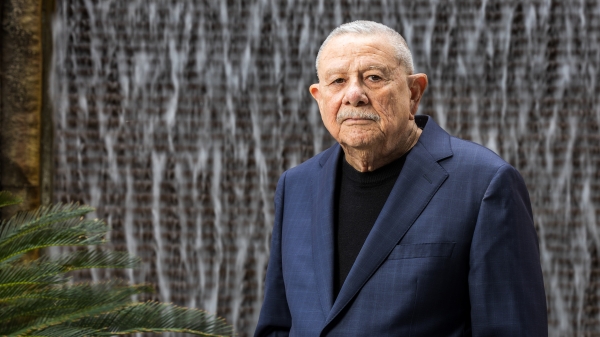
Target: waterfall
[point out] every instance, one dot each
(175, 119)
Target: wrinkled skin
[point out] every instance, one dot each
(362, 82)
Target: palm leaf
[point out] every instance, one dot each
(156, 317)
(23, 279)
(88, 259)
(71, 232)
(37, 298)
(7, 199)
(23, 222)
(19, 281)
(65, 303)
(63, 331)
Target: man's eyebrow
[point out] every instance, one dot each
(384, 69)
(334, 71)
(341, 70)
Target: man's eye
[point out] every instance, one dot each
(338, 80)
(374, 78)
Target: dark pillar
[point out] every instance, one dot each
(21, 71)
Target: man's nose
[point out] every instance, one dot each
(355, 95)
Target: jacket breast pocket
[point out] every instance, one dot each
(422, 250)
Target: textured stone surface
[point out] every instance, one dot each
(21, 92)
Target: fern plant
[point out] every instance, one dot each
(37, 298)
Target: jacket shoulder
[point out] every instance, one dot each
(312, 165)
(453, 152)
(471, 153)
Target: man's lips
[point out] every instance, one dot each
(357, 120)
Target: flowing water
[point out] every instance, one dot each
(175, 119)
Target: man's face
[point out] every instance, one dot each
(364, 94)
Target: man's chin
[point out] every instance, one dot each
(361, 143)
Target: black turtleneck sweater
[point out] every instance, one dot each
(359, 199)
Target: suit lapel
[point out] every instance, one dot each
(322, 228)
(419, 180)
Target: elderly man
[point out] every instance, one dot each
(400, 229)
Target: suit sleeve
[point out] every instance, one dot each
(275, 318)
(506, 286)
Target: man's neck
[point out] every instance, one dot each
(368, 160)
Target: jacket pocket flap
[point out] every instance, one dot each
(412, 251)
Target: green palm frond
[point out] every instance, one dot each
(89, 259)
(37, 298)
(156, 317)
(64, 331)
(65, 303)
(20, 280)
(7, 199)
(44, 216)
(26, 226)
(70, 232)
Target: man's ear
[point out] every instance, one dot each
(417, 84)
(314, 91)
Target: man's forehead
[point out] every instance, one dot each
(370, 51)
(346, 43)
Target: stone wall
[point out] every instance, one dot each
(20, 100)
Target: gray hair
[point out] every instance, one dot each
(373, 28)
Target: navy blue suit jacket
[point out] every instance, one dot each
(453, 252)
